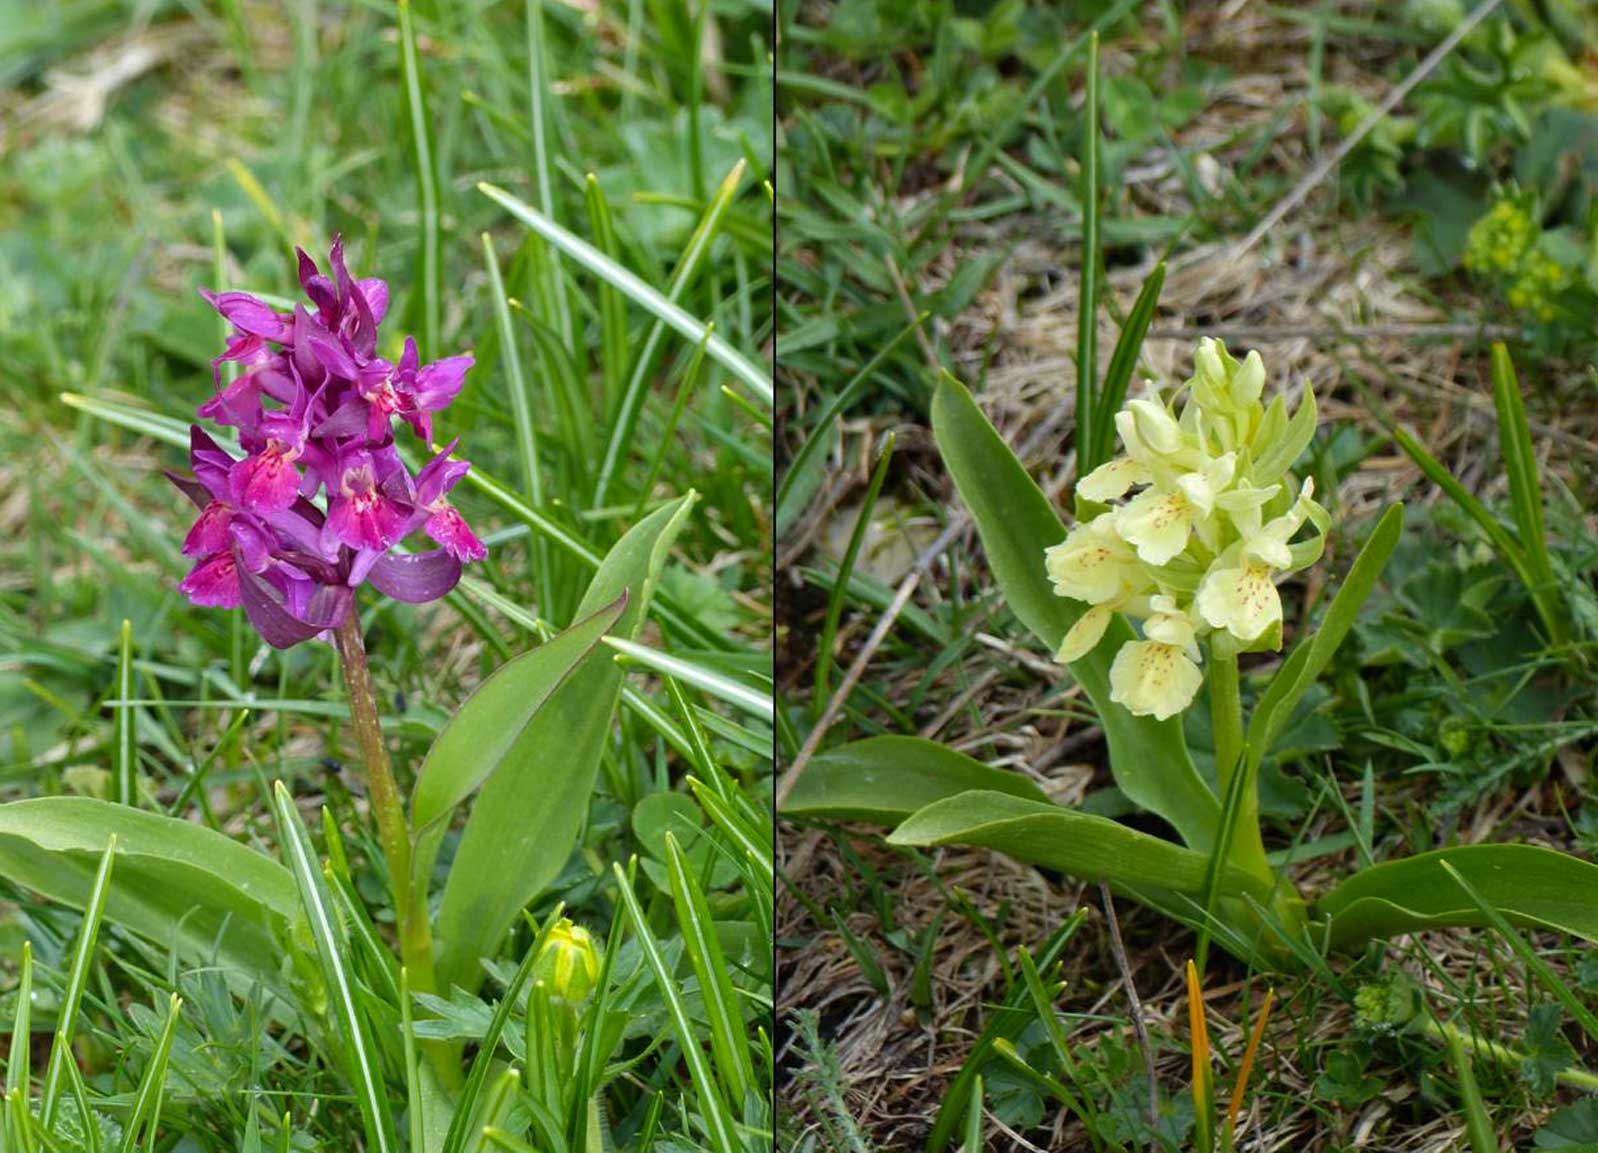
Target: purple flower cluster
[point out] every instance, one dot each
(314, 407)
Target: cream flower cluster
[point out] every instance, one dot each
(1196, 551)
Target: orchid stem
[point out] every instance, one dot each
(1226, 715)
(416, 938)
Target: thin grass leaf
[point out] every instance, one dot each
(1044, 1007)
(17, 1063)
(538, 94)
(360, 1055)
(415, 1095)
(625, 425)
(721, 1123)
(1543, 971)
(840, 585)
(1087, 316)
(1123, 362)
(820, 431)
(729, 1040)
(1234, 1107)
(602, 266)
(466, 1105)
(522, 413)
(1478, 1126)
(146, 1112)
(77, 980)
(126, 760)
(1525, 491)
(751, 701)
(427, 191)
(973, 1118)
(612, 305)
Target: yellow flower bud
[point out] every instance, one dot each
(568, 963)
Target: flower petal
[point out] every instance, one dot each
(1084, 634)
(269, 613)
(1242, 600)
(1153, 679)
(1111, 479)
(213, 582)
(1156, 523)
(416, 578)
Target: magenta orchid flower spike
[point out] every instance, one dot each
(314, 405)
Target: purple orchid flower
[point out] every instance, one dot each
(314, 408)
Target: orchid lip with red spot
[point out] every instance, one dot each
(314, 407)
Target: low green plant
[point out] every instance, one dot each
(1209, 578)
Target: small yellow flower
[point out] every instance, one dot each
(1241, 599)
(1112, 478)
(1093, 564)
(1085, 633)
(1158, 522)
(1152, 678)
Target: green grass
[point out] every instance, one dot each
(534, 181)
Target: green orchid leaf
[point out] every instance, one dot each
(1529, 885)
(528, 813)
(492, 728)
(175, 883)
(885, 779)
(1148, 757)
(1078, 844)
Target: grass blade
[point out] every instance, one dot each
(1478, 1126)
(602, 266)
(360, 1054)
(1123, 362)
(426, 184)
(750, 700)
(21, 1026)
(973, 1119)
(126, 764)
(1525, 491)
(1087, 315)
(538, 94)
(77, 981)
(729, 1041)
(840, 581)
(1544, 972)
(466, 1105)
(522, 412)
(819, 432)
(720, 1122)
(147, 1101)
(632, 399)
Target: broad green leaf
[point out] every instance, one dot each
(1149, 758)
(175, 883)
(1078, 844)
(885, 779)
(525, 821)
(1529, 885)
(493, 728)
